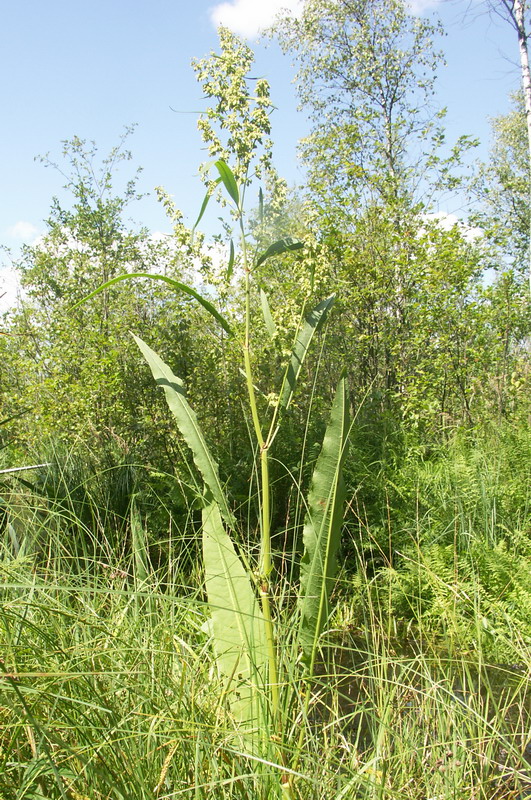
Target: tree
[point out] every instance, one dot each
(502, 187)
(77, 364)
(366, 71)
(516, 12)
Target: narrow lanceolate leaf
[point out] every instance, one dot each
(261, 206)
(322, 528)
(230, 265)
(204, 205)
(268, 319)
(311, 325)
(237, 622)
(228, 180)
(23, 469)
(188, 426)
(277, 248)
(180, 287)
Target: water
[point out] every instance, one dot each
(452, 709)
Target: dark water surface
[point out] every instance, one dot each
(454, 707)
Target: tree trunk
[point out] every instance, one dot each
(518, 12)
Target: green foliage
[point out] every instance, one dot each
(237, 623)
(241, 634)
(310, 326)
(451, 555)
(502, 186)
(366, 74)
(103, 620)
(322, 528)
(75, 366)
(103, 700)
(175, 285)
(412, 322)
(277, 248)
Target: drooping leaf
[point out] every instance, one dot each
(311, 325)
(322, 527)
(229, 181)
(230, 265)
(268, 319)
(181, 287)
(277, 248)
(237, 621)
(188, 426)
(204, 204)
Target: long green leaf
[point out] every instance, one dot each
(16, 416)
(23, 469)
(311, 325)
(230, 265)
(188, 426)
(268, 319)
(181, 287)
(237, 622)
(322, 527)
(229, 181)
(277, 248)
(204, 204)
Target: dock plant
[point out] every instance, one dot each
(248, 636)
(245, 635)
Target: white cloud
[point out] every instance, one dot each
(448, 221)
(23, 231)
(420, 6)
(248, 17)
(9, 288)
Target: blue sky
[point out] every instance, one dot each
(91, 68)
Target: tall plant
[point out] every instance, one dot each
(244, 631)
(246, 634)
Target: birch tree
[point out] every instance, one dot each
(516, 12)
(366, 72)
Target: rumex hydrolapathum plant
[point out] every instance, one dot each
(246, 632)
(245, 635)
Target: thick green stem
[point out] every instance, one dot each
(265, 555)
(265, 570)
(265, 551)
(271, 648)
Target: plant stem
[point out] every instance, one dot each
(247, 341)
(265, 544)
(265, 555)
(271, 648)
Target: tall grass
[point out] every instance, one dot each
(110, 688)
